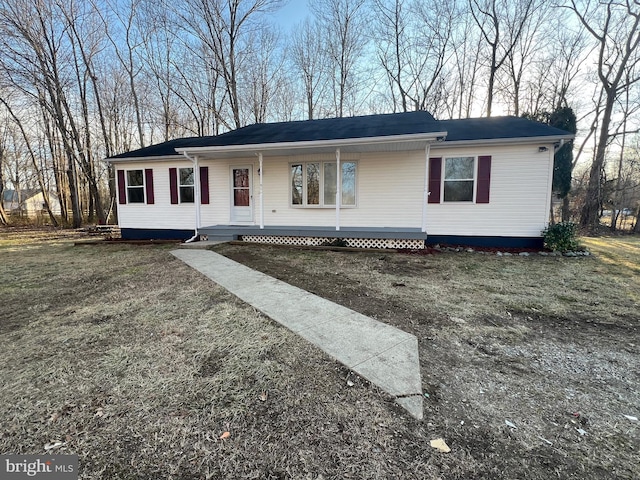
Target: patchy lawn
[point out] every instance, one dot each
(549, 344)
(130, 359)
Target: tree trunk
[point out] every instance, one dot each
(3, 216)
(566, 213)
(73, 190)
(590, 214)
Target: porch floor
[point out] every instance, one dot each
(232, 232)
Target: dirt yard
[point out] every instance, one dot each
(130, 359)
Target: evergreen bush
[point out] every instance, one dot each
(561, 237)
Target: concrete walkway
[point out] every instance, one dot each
(378, 352)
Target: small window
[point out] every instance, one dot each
(459, 177)
(348, 183)
(296, 184)
(187, 193)
(135, 186)
(315, 184)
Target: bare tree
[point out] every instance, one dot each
(129, 37)
(35, 56)
(465, 71)
(309, 59)
(413, 46)
(37, 171)
(343, 23)
(615, 27)
(3, 216)
(222, 26)
(501, 23)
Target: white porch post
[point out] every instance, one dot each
(196, 189)
(338, 193)
(261, 191)
(425, 199)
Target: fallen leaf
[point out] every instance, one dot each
(225, 435)
(263, 396)
(440, 444)
(51, 446)
(545, 440)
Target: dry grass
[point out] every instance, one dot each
(138, 364)
(533, 340)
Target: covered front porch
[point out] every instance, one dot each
(360, 237)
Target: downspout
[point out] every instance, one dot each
(261, 191)
(196, 191)
(425, 198)
(338, 185)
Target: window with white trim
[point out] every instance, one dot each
(186, 185)
(313, 184)
(459, 179)
(135, 186)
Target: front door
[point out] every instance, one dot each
(241, 208)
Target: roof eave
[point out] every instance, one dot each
(158, 158)
(337, 143)
(504, 141)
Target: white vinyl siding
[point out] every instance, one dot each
(390, 193)
(162, 214)
(520, 195)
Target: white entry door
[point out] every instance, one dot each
(241, 195)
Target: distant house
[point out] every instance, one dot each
(396, 180)
(29, 203)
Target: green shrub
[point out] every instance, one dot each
(561, 237)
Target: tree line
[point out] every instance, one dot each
(81, 80)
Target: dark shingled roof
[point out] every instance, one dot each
(497, 128)
(358, 127)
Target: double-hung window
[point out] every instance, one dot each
(135, 186)
(459, 179)
(314, 184)
(186, 187)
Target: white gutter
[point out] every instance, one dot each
(425, 197)
(341, 142)
(163, 158)
(503, 141)
(196, 191)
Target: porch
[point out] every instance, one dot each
(362, 237)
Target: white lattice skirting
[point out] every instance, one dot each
(414, 244)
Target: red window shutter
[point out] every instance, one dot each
(435, 177)
(204, 185)
(122, 188)
(148, 180)
(484, 179)
(173, 185)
